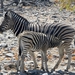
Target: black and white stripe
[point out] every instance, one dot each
(33, 41)
(60, 31)
(15, 22)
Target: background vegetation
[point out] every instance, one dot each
(66, 4)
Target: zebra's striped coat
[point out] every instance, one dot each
(63, 32)
(33, 41)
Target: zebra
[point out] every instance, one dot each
(63, 32)
(32, 41)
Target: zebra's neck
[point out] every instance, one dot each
(20, 23)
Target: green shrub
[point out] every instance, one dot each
(67, 4)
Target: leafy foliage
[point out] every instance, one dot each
(67, 4)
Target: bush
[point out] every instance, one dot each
(67, 4)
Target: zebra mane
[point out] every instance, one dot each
(8, 13)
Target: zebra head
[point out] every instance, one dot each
(7, 22)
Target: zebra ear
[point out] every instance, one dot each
(8, 14)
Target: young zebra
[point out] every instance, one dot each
(30, 42)
(63, 32)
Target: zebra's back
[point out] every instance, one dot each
(35, 41)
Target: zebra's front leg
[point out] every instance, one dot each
(45, 59)
(61, 54)
(34, 59)
(42, 60)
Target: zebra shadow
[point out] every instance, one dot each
(60, 72)
(20, 73)
(39, 72)
(30, 72)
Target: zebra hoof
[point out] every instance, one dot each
(42, 69)
(47, 71)
(24, 73)
(52, 70)
(66, 70)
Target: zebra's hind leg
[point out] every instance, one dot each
(18, 63)
(69, 52)
(22, 71)
(61, 54)
(22, 64)
(44, 61)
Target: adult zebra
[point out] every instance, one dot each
(63, 32)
